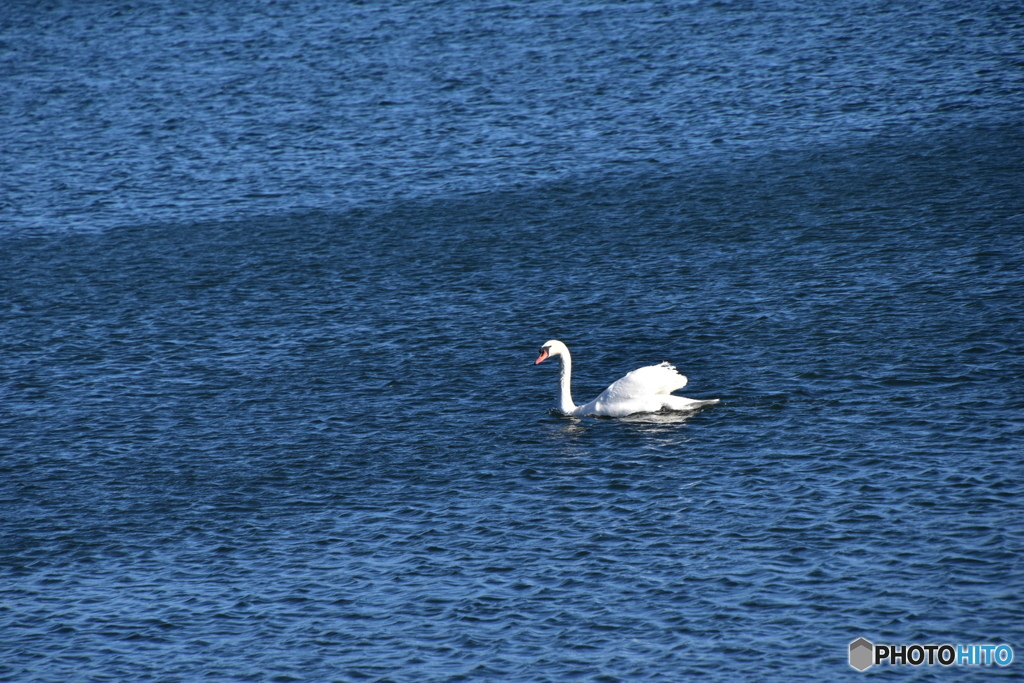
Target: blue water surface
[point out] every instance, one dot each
(273, 277)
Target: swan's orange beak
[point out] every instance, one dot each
(542, 357)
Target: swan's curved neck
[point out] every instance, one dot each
(565, 403)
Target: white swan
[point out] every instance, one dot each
(645, 390)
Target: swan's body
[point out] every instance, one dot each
(645, 390)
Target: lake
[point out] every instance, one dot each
(274, 277)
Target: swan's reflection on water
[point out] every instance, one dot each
(664, 424)
(668, 417)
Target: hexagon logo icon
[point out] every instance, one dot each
(862, 654)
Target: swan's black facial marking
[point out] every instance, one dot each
(544, 355)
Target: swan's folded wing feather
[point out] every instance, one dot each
(646, 381)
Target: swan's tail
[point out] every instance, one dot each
(683, 403)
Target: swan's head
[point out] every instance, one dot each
(550, 350)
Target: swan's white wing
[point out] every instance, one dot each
(646, 381)
(645, 390)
